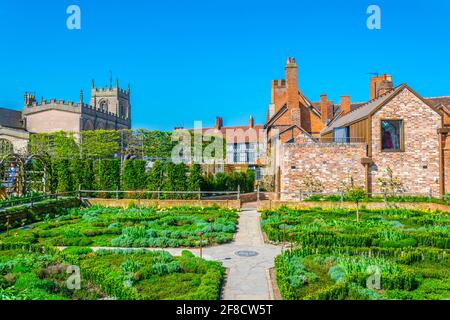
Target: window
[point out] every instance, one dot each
(341, 135)
(104, 106)
(392, 135)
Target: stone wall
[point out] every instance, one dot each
(329, 163)
(53, 121)
(418, 165)
(18, 139)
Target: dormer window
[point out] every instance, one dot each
(392, 135)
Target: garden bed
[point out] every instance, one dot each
(122, 275)
(26, 214)
(390, 254)
(132, 227)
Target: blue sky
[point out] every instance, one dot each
(195, 59)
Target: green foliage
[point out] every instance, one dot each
(356, 195)
(107, 174)
(155, 176)
(133, 227)
(195, 180)
(23, 215)
(63, 175)
(231, 181)
(134, 175)
(116, 274)
(406, 247)
(83, 173)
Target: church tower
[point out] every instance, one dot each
(112, 99)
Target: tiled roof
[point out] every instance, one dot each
(259, 129)
(436, 101)
(361, 112)
(11, 118)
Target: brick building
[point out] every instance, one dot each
(396, 129)
(245, 146)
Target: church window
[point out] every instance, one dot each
(104, 106)
(392, 135)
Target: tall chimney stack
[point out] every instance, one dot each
(380, 85)
(251, 124)
(324, 108)
(219, 123)
(345, 104)
(292, 83)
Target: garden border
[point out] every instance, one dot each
(125, 203)
(274, 204)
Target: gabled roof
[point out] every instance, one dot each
(277, 114)
(287, 128)
(363, 111)
(11, 118)
(258, 130)
(436, 101)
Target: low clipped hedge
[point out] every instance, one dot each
(23, 215)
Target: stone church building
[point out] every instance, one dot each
(332, 143)
(109, 108)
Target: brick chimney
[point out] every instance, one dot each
(380, 85)
(251, 122)
(219, 123)
(324, 108)
(345, 104)
(292, 83)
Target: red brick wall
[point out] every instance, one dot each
(328, 163)
(418, 165)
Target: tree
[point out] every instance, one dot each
(356, 195)
(195, 180)
(62, 175)
(179, 177)
(310, 184)
(390, 185)
(107, 174)
(155, 176)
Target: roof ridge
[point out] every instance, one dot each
(373, 102)
(437, 97)
(379, 97)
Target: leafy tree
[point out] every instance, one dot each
(390, 185)
(195, 180)
(179, 178)
(156, 176)
(107, 174)
(134, 175)
(310, 184)
(62, 175)
(356, 195)
(250, 181)
(157, 144)
(100, 143)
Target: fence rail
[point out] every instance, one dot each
(159, 194)
(33, 199)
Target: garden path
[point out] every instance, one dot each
(247, 276)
